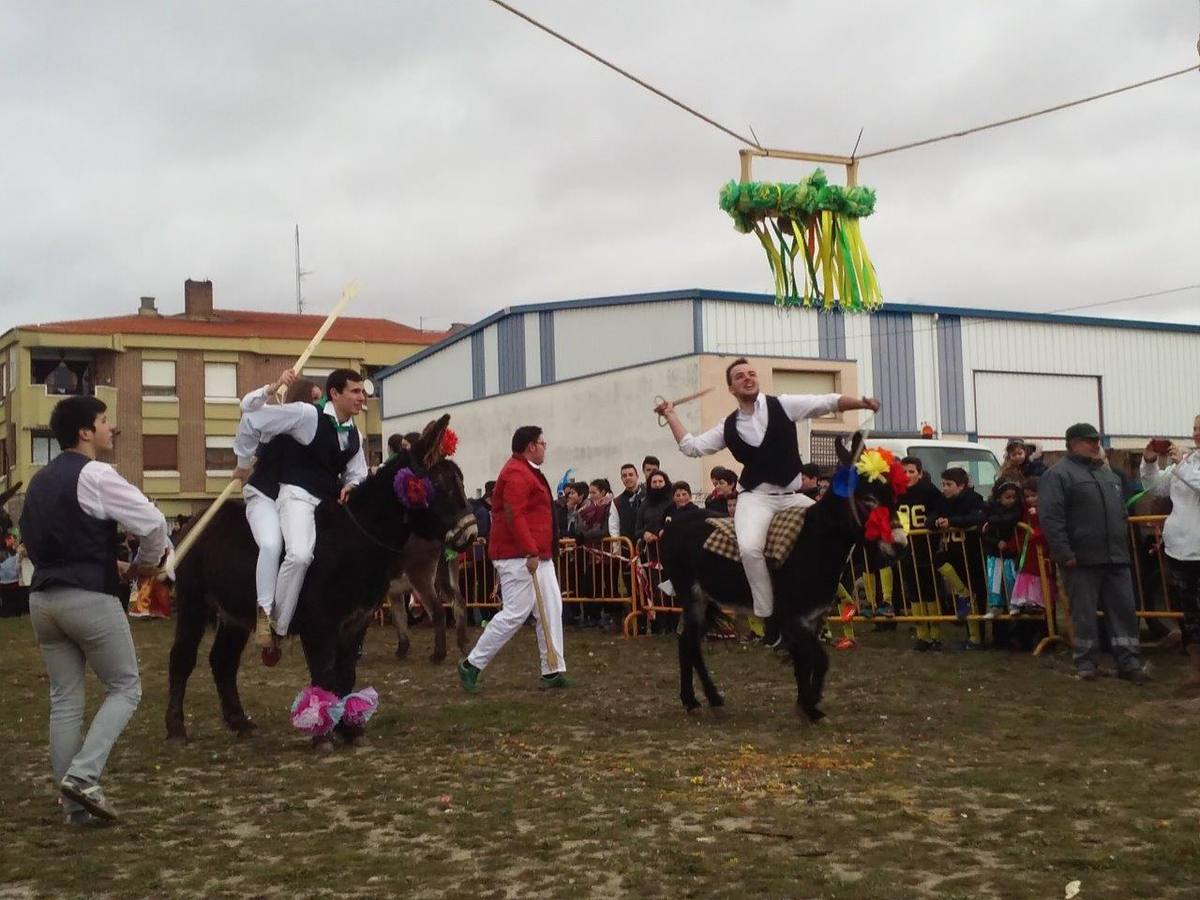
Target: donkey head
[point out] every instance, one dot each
(431, 486)
(6, 522)
(868, 482)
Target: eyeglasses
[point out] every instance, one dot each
(539, 443)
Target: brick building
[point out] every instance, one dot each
(172, 384)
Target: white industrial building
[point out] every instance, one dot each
(588, 371)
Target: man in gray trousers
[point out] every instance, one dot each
(1082, 512)
(69, 525)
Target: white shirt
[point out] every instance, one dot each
(1181, 482)
(752, 428)
(299, 420)
(256, 399)
(103, 494)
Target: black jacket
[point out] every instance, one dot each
(1082, 513)
(999, 525)
(966, 510)
(651, 515)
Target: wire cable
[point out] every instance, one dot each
(600, 59)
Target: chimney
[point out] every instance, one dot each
(147, 307)
(197, 299)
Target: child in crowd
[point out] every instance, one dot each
(1027, 596)
(918, 508)
(1000, 545)
(962, 508)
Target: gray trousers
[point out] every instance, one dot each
(1107, 588)
(76, 629)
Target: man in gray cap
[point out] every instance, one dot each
(1083, 518)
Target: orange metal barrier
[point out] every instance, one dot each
(650, 601)
(599, 573)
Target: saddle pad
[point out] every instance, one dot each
(785, 527)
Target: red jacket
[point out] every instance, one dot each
(522, 515)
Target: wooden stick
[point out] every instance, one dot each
(551, 653)
(348, 294)
(192, 536)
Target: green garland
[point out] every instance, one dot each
(817, 221)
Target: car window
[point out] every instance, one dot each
(981, 464)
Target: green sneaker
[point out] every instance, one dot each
(468, 675)
(557, 680)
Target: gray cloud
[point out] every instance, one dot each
(455, 160)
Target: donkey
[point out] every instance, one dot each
(359, 548)
(426, 570)
(805, 584)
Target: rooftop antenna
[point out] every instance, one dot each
(300, 273)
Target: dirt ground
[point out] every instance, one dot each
(951, 775)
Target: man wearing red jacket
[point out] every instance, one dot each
(521, 547)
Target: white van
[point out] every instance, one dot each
(938, 456)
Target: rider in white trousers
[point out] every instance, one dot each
(761, 435)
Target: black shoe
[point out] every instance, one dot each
(771, 634)
(922, 646)
(1134, 676)
(1085, 674)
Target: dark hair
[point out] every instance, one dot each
(1030, 484)
(625, 466)
(577, 487)
(524, 436)
(338, 378)
(957, 475)
(720, 473)
(72, 414)
(650, 460)
(665, 476)
(413, 438)
(301, 391)
(740, 361)
(603, 484)
(488, 487)
(810, 470)
(681, 486)
(1003, 486)
(394, 443)
(913, 461)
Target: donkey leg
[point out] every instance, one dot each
(399, 619)
(448, 587)
(319, 643)
(225, 659)
(711, 694)
(806, 650)
(189, 630)
(345, 674)
(689, 647)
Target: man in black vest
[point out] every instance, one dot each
(69, 526)
(761, 435)
(321, 459)
(622, 512)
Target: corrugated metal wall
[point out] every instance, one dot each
(894, 371)
(442, 379)
(510, 338)
(758, 329)
(951, 381)
(597, 339)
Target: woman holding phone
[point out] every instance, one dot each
(1180, 480)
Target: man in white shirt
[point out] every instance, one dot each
(69, 527)
(761, 435)
(322, 458)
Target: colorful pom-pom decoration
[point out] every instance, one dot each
(412, 490)
(845, 481)
(358, 707)
(449, 442)
(316, 711)
(879, 525)
(816, 222)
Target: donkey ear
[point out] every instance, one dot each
(431, 441)
(856, 446)
(10, 493)
(843, 455)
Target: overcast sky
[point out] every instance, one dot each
(455, 160)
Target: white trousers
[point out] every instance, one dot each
(516, 591)
(263, 517)
(751, 520)
(297, 511)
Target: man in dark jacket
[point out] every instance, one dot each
(522, 549)
(622, 513)
(1084, 522)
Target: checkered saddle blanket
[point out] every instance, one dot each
(781, 537)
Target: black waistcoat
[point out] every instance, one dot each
(267, 468)
(776, 460)
(67, 546)
(317, 466)
(627, 507)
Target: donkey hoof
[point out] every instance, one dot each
(179, 739)
(359, 741)
(402, 650)
(696, 710)
(812, 714)
(437, 657)
(322, 747)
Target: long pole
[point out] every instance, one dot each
(547, 631)
(192, 536)
(299, 274)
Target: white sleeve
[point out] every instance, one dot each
(708, 442)
(356, 469)
(104, 494)
(256, 399)
(809, 406)
(296, 419)
(1155, 480)
(614, 519)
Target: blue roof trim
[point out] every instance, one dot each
(695, 294)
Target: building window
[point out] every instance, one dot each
(219, 458)
(158, 379)
(220, 382)
(45, 447)
(62, 375)
(160, 452)
(3, 456)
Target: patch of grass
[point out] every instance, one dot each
(937, 775)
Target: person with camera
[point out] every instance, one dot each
(1179, 480)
